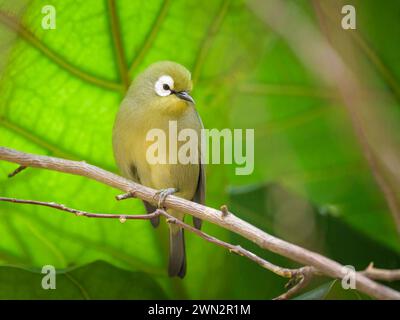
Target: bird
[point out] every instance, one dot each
(158, 95)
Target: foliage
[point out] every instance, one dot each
(59, 93)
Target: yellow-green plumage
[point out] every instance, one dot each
(142, 110)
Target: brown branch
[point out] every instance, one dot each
(298, 282)
(16, 171)
(320, 263)
(224, 210)
(381, 274)
(283, 272)
(299, 278)
(206, 43)
(295, 275)
(122, 217)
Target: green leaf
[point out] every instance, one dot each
(60, 90)
(98, 280)
(332, 290)
(319, 293)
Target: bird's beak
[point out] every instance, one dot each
(184, 96)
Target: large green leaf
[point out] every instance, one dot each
(60, 90)
(97, 280)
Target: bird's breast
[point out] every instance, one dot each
(175, 108)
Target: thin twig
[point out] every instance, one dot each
(151, 36)
(381, 274)
(231, 222)
(83, 213)
(16, 171)
(15, 24)
(352, 96)
(283, 272)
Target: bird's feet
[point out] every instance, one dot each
(163, 194)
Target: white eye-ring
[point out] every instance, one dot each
(164, 86)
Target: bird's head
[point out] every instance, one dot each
(165, 86)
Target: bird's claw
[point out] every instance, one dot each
(162, 195)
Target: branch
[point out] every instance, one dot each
(381, 274)
(16, 171)
(297, 276)
(320, 263)
(121, 217)
(118, 47)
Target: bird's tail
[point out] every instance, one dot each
(177, 254)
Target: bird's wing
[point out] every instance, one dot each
(200, 194)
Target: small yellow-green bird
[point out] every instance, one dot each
(158, 95)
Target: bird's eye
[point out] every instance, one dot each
(164, 86)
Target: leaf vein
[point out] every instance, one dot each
(29, 37)
(118, 46)
(149, 39)
(208, 39)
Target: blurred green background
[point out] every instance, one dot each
(59, 93)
